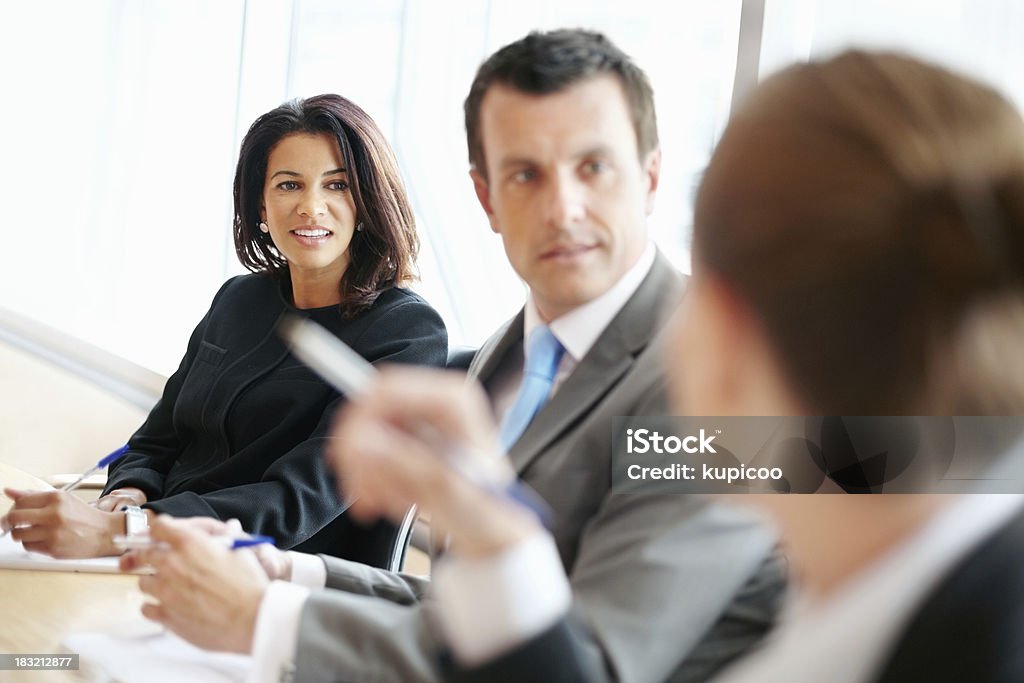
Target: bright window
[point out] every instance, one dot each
(980, 37)
(123, 119)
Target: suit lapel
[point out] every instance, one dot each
(605, 364)
(491, 355)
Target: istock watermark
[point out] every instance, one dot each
(830, 454)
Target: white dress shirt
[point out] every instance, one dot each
(277, 622)
(577, 331)
(478, 617)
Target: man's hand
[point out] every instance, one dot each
(390, 451)
(60, 524)
(207, 594)
(276, 563)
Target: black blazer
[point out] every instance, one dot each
(971, 627)
(241, 426)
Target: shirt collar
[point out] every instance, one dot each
(579, 329)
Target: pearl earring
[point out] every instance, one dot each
(359, 227)
(262, 225)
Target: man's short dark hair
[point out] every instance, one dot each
(548, 62)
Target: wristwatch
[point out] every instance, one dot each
(135, 520)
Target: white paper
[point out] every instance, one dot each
(153, 658)
(13, 556)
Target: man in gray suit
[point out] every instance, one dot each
(565, 157)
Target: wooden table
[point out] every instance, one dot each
(38, 608)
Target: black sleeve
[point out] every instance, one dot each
(153, 449)
(297, 494)
(411, 332)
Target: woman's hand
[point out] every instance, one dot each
(119, 498)
(59, 524)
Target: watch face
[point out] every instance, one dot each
(135, 521)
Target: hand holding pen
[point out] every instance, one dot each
(18, 495)
(390, 467)
(424, 437)
(230, 534)
(202, 591)
(481, 465)
(145, 542)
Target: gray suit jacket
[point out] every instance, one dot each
(655, 579)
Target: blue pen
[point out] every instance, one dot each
(256, 539)
(104, 461)
(145, 542)
(116, 455)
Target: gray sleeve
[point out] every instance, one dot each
(670, 588)
(675, 602)
(349, 637)
(655, 583)
(362, 579)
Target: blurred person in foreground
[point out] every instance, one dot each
(858, 250)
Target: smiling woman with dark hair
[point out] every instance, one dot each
(383, 250)
(323, 221)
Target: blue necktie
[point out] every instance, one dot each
(543, 354)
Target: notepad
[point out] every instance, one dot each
(159, 658)
(13, 556)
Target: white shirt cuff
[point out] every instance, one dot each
(487, 606)
(308, 570)
(277, 631)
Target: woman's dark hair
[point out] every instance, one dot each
(383, 253)
(869, 209)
